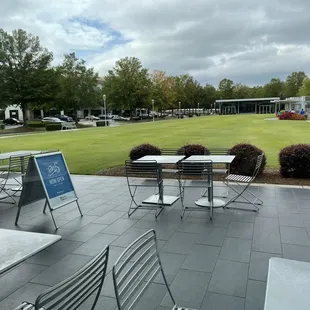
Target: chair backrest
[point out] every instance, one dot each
(72, 292)
(196, 168)
(135, 270)
(258, 165)
(144, 169)
(219, 151)
(19, 163)
(169, 151)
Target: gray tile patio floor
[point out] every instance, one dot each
(210, 265)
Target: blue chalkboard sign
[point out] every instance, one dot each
(56, 179)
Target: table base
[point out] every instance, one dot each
(204, 203)
(167, 200)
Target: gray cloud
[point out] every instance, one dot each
(248, 41)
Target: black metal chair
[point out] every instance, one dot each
(244, 182)
(135, 269)
(144, 175)
(74, 291)
(197, 174)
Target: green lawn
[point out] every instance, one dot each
(88, 151)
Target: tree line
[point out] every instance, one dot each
(28, 79)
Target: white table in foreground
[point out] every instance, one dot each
(216, 159)
(161, 160)
(288, 285)
(17, 245)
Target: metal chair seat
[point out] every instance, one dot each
(239, 178)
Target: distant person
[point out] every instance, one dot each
(302, 112)
(293, 111)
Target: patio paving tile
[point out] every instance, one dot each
(214, 301)
(236, 250)
(219, 264)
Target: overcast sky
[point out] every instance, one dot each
(247, 41)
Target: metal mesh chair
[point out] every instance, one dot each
(149, 171)
(12, 179)
(135, 269)
(244, 182)
(74, 291)
(170, 151)
(197, 174)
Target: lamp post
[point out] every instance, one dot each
(153, 108)
(179, 109)
(198, 109)
(105, 110)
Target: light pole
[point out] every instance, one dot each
(153, 108)
(105, 110)
(179, 109)
(198, 109)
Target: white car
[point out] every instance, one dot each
(92, 118)
(51, 120)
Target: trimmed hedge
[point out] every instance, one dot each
(2, 126)
(101, 123)
(34, 124)
(295, 161)
(291, 116)
(192, 149)
(142, 150)
(246, 158)
(53, 127)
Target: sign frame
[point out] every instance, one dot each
(34, 165)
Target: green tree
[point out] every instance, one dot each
(128, 85)
(305, 88)
(293, 83)
(25, 73)
(78, 85)
(241, 91)
(210, 95)
(274, 88)
(226, 89)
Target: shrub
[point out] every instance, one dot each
(101, 123)
(192, 149)
(36, 124)
(291, 116)
(142, 150)
(2, 126)
(295, 161)
(246, 158)
(53, 127)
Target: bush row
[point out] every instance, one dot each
(294, 159)
(35, 124)
(291, 116)
(53, 127)
(244, 163)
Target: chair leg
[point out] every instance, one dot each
(244, 189)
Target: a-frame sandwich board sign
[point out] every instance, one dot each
(48, 178)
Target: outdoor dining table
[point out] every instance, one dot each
(167, 200)
(16, 246)
(21, 154)
(216, 159)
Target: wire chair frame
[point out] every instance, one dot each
(135, 269)
(202, 172)
(150, 171)
(17, 168)
(72, 292)
(240, 180)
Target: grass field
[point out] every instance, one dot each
(88, 151)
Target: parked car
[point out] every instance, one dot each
(92, 118)
(12, 121)
(51, 120)
(64, 118)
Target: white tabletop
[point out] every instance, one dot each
(17, 245)
(162, 159)
(288, 285)
(216, 159)
(17, 153)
